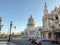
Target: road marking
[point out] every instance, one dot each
(6, 43)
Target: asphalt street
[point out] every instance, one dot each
(22, 42)
(26, 42)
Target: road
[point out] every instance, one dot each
(22, 42)
(26, 42)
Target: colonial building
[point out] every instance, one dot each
(31, 31)
(51, 23)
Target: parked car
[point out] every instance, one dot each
(48, 39)
(56, 41)
(36, 41)
(30, 39)
(59, 40)
(40, 39)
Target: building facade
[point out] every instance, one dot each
(31, 31)
(51, 23)
(50, 28)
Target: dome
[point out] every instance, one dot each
(31, 22)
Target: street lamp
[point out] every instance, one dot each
(10, 31)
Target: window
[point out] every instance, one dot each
(56, 17)
(49, 34)
(39, 29)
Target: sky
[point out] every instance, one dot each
(19, 11)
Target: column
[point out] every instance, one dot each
(47, 23)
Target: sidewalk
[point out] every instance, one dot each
(6, 43)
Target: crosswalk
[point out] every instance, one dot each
(6, 43)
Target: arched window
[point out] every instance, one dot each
(40, 29)
(56, 17)
(49, 34)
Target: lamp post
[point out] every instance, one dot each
(10, 31)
